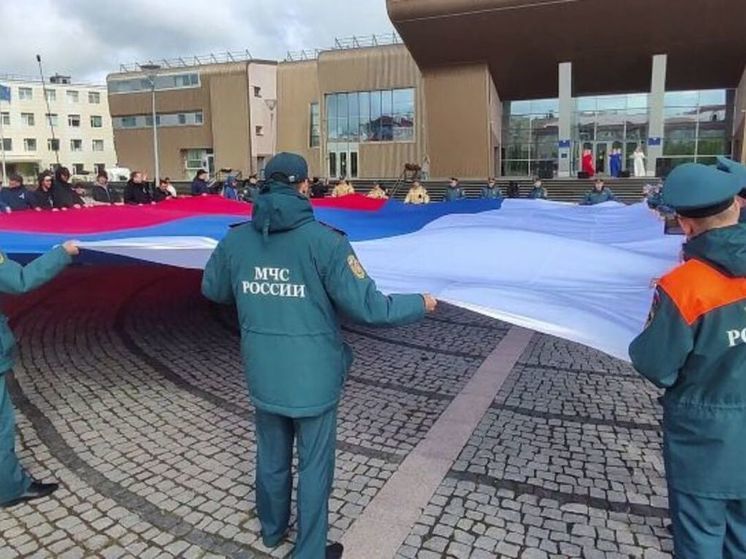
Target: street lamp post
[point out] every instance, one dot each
(151, 71)
(272, 105)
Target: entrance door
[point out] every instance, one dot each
(601, 157)
(343, 160)
(602, 152)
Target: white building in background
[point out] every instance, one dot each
(79, 114)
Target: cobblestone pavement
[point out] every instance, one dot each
(129, 391)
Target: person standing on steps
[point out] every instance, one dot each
(16, 486)
(291, 277)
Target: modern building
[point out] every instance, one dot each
(356, 110)
(522, 87)
(60, 114)
(214, 112)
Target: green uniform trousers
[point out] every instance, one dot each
(707, 528)
(13, 479)
(317, 440)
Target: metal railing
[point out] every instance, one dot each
(347, 43)
(190, 61)
(354, 42)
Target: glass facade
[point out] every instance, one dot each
(530, 136)
(371, 116)
(696, 126)
(609, 122)
(696, 129)
(169, 81)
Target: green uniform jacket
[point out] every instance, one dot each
(742, 219)
(290, 276)
(694, 346)
(16, 279)
(538, 193)
(592, 197)
(453, 194)
(492, 193)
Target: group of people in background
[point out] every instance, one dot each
(418, 194)
(55, 191)
(615, 158)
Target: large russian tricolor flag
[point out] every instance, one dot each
(581, 273)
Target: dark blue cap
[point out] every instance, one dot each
(696, 190)
(287, 167)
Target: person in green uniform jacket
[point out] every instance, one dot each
(491, 191)
(739, 170)
(291, 277)
(600, 194)
(454, 192)
(538, 192)
(15, 484)
(694, 346)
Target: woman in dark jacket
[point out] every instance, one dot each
(63, 194)
(137, 190)
(199, 184)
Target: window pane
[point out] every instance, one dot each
(682, 143)
(545, 149)
(403, 100)
(515, 168)
(331, 107)
(712, 97)
(608, 102)
(387, 116)
(342, 116)
(375, 116)
(545, 106)
(517, 151)
(353, 107)
(365, 126)
(519, 107)
(403, 103)
(586, 126)
(586, 104)
(682, 99)
(637, 101)
(342, 111)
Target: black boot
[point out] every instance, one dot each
(36, 490)
(334, 551)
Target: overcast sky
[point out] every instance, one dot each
(88, 39)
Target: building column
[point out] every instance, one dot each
(566, 110)
(656, 117)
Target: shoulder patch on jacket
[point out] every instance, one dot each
(356, 267)
(696, 288)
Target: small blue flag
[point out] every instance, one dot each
(4, 93)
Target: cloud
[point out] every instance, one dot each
(88, 39)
